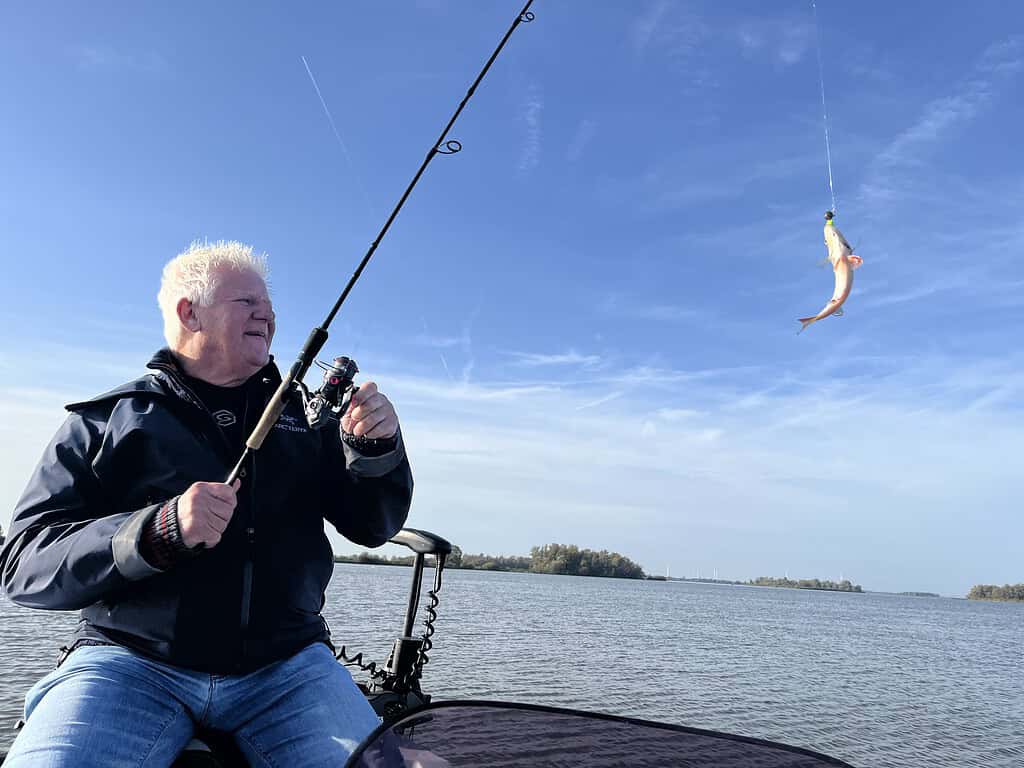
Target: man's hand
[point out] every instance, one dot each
(204, 511)
(370, 414)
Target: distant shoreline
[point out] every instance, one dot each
(352, 560)
(996, 599)
(407, 562)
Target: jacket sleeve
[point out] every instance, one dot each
(366, 498)
(67, 548)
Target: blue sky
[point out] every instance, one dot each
(587, 319)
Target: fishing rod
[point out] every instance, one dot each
(318, 335)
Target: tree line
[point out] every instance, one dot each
(1013, 592)
(567, 559)
(832, 586)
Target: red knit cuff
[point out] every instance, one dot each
(162, 545)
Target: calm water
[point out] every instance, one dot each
(874, 679)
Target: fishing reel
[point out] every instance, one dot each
(333, 397)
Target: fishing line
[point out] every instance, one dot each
(824, 109)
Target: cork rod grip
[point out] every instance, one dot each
(269, 418)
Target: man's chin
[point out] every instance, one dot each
(259, 360)
(256, 361)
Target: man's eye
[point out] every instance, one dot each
(247, 302)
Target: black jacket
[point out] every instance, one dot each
(253, 599)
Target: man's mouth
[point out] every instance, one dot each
(258, 334)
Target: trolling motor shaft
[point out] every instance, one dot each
(395, 687)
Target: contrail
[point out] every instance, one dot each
(337, 135)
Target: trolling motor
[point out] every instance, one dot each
(333, 397)
(395, 687)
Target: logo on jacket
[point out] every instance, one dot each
(224, 417)
(290, 424)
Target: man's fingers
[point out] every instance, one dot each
(385, 428)
(222, 512)
(220, 491)
(364, 393)
(370, 415)
(346, 423)
(365, 425)
(371, 406)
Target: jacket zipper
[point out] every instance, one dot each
(248, 570)
(250, 529)
(250, 561)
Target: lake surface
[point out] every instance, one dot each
(877, 680)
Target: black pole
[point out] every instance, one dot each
(414, 596)
(318, 336)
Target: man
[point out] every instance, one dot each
(200, 601)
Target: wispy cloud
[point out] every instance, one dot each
(443, 342)
(100, 367)
(99, 58)
(533, 109)
(624, 306)
(572, 357)
(711, 478)
(677, 414)
(684, 180)
(600, 401)
(584, 133)
(940, 118)
(924, 290)
(463, 342)
(673, 36)
(785, 41)
(780, 457)
(646, 24)
(668, 312)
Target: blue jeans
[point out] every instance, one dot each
(107, 706)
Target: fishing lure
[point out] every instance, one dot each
(844, 262)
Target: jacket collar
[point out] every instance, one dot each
(167, 381)
(165, 360)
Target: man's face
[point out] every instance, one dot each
(238, 326)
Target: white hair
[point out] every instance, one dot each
(193, 275)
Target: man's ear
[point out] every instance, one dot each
(187, 314)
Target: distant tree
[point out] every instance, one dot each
(454, 560)
(1009, 592)
(571, 560)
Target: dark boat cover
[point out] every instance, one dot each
(461, 734)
